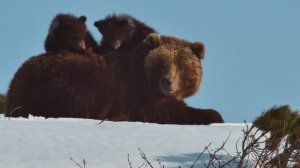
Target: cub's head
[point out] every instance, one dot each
(173, 65)
(122, 31)
(67, 32)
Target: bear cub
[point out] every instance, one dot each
(69, 33)
(121, 32)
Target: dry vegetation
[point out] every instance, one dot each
(272, 141)
(2, 103)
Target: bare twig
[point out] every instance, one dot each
(213, 156)
(84, 163)
(143, 164)
(77, 164)
(143, 155)
(249, 142)
(199, 156)
(130, 166)
(160, 165)
(12, 110)
(101, 121)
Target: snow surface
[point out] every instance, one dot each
(50, 143)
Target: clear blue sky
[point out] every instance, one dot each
(253, 47)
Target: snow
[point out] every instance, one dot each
(49, 143)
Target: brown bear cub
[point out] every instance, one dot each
(167, 70)
(121, 32)
(68, 32)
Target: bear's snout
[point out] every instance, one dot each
(166, 83)
(96, 23)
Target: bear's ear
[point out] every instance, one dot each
(82, 18)
(153, 40)
(199, 49)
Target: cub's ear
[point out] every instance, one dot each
(199, 49)
(153, 40)
(82, 18)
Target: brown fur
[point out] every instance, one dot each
(121, 32)
(72, 82)
(120, 35)
(64, 84)
(68, 32)
(147, 82)
(175, 70)
(167, 70)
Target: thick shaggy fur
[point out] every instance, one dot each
(68, 81)
(64, 84)
(120, 35)
(167, 70)
(154, 80)
(147, 79)
(121, 32)
(68, 32)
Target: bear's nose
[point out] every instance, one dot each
(166, 82)
(96, 23)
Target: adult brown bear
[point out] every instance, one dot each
(64, 84)
(169, 69)
(165, 70)
(67, 81)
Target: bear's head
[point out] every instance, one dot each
(67, 32)
(121, 31)
(173, 65)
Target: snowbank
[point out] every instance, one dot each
(50, 143)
